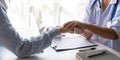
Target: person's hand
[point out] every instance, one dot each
(72, 24)
(78, 30)
(65, 30)
(76, 25)
(60, 28)
(71, 30)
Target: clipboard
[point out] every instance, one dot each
(71, 42)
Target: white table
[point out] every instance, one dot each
(50, 54)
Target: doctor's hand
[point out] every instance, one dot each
(72, 24)
(79, 28)
(76, 25)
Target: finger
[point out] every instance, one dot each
(65, 24)
(69, 25)
(78, 30)
(74, 25)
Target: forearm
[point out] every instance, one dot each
(21, 47)
(100, 31)
(25, 47)
(37, 44)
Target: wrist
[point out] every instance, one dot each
(61, 30)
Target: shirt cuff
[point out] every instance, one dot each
(117, 31)
(53, 32)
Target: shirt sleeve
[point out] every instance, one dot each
(115, 23)
(20, 46)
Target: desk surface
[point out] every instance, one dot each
(50, 54)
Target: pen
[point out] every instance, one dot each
(87, 49)
(97, 54)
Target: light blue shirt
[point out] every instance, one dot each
(95, 15)
(21, 47)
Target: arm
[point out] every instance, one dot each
(22, 47)
(100, 31)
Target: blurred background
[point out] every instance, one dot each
(29, 15)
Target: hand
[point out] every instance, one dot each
(78, 30)
(72, 24)
(76, 25)
(71, 30)
(65, 30)
(61, 29)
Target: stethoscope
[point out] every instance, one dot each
(114, 9)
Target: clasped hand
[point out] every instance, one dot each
(72, 27)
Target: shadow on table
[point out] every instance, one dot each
(30, 58)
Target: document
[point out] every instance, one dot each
(70, 42)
